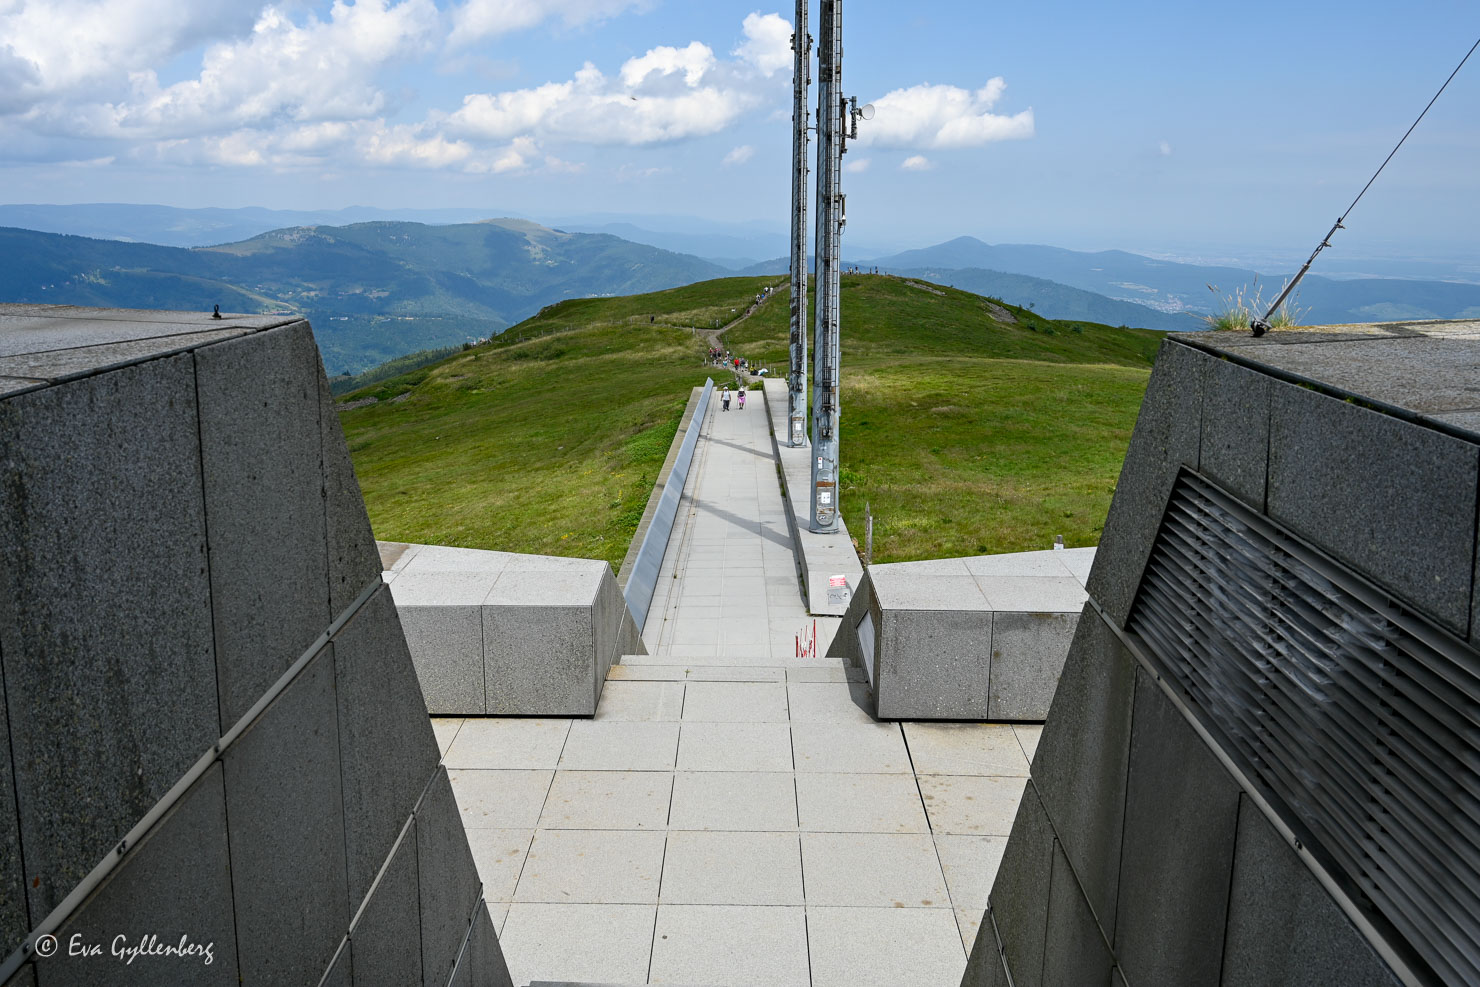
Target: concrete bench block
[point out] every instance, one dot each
(386, 747)
(507, 634)
(286, 813)
(1080, 765)
(262, 460)
(105, 596)
(1028, 652)
(1167, 437)
(447, 647)
(933, 664)
(448, 879)
(182, 870)
(965, 639)
(539, 660)
(1284, 929)
(1393, 499)
(386, 942)
(1181, 817)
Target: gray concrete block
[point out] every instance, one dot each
(1235, 429)
(386, 941)
(1394, 500)
(984, 962)
(100, 510)
(1075, 950)
(1284, 930)
(286, 813)
(1181, 818)
(606, 625)
(386, 747)
(353, 557)
(934, 665)
(342, 972)
(449, 881)
(447, 651)
(487, 957)
(539, 661)
(14, 920)
(1080, 765)
(1426, 374)
(45, 328)
(1028, 652)
(845, 643)
(261, 454)
(1167, 436)
(176, 885)
(1019, 899)
(83, 360)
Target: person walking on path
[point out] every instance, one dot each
(742, 397)
(724, 399)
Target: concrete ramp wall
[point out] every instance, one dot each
(1254, 765)
(217, 758)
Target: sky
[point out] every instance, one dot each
(1202, 131)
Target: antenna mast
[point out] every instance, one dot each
(796, 380)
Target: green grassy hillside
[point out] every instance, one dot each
(969, 425)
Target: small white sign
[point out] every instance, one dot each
(824, 496)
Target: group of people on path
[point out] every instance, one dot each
(724, 398)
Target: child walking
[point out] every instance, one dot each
(742, 397)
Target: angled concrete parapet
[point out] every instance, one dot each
(1253, 770)
(509, 635)
(212, 728)
(979, 638)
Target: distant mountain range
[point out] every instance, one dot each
(1180, 288)
(388, 283)
(373, 291)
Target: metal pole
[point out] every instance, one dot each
(830, 134)
(796, 381)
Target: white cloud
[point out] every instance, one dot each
(694, 62)
(57, 48)
(666, 94)
(405, 146)
(320, 70)
(1165, 149)
(479, 19)
(739, 155)
(927, 116)
(915, 162)
(767, 44)
(858, 166)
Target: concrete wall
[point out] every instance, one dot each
(214, 729)
(1137, 855)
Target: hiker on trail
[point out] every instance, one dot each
(742, 397)
(724, 398)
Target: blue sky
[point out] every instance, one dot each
(1212, 131)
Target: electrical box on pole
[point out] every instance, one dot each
(830, 110)
(796, 380)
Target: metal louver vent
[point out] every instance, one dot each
(1359, 721)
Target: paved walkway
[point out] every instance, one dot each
(732, 815)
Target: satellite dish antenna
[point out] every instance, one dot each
(866, 111)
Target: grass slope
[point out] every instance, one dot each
(970, 426)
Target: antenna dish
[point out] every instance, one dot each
(866, 111)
